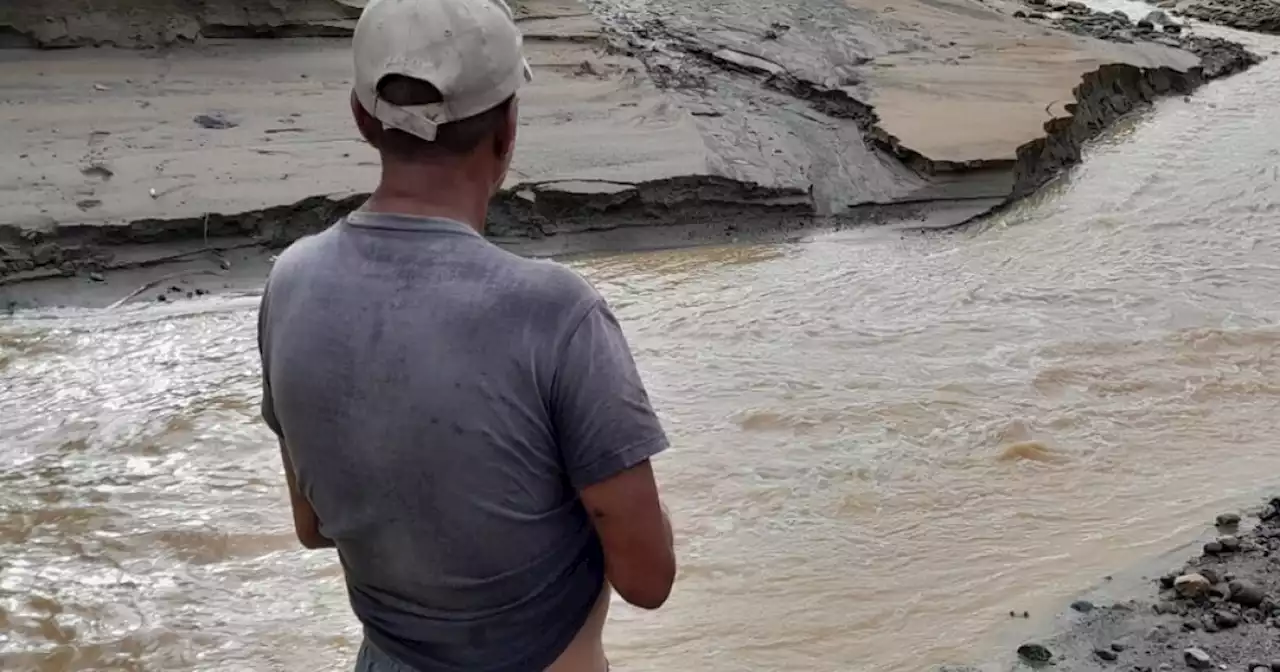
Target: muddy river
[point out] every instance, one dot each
(884, 441)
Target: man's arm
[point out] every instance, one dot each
(635, 532)
(305, 522)
(607, 431)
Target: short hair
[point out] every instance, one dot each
(456, 138)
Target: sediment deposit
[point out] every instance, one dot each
(648, 131)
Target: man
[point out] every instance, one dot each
(467, 427)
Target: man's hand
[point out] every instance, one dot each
(636, 534)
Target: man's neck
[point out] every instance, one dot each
(446, 199)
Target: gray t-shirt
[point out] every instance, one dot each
(442, 402)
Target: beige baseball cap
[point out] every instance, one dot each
(468, 49)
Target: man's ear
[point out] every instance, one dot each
(504, 141)
(370, 128)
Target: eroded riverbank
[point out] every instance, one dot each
(656, 132)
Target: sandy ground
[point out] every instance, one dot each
(95, 131)
(997, 74)
(69, 115)
(116, 147)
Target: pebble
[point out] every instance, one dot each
(1191, 585)
(1082, 606)
(1225, 619)
(97, 277)
(215, 121)
(1213, 548)
(1230, 544)
(1035, 653)
(1118, 647)
(1208, 573)
(1106, 654)
(1197, 658)
(1246, 593)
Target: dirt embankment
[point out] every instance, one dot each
(1218, 611)
(52, 24)
(769, 135)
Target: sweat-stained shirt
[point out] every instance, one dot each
(442, 402)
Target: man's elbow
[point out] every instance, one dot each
(650, 590)
(312, 540)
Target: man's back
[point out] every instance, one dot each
(442, 402)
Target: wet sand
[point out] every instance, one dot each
(1218, 610)
(923, 113)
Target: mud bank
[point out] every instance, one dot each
(1102, 98)
(51, 24)
(1219, 610)
(651, 133)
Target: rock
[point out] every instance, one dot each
(1035, 654)
(1019, 14)
(1247, 594)
(1213, 548)
(1275, 666)
(1173, 29)
(1167, 580)
(97, 277)
(1230, 544)
(1082, 606)
(1146, 26)
(1036, 15)
(46, 253)
(1106, 654)
(1225, 619)
(1227, 519)
(1191, 585)
(1197, 658)
(1158, 17)
(1118, 647)
(214, 121)
(1210, 574)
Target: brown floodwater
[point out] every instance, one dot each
(884, 442)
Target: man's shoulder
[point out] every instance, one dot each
(299, 253)
(545, 281)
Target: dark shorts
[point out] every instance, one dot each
(372, 659)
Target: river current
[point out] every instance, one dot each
(884, 442)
